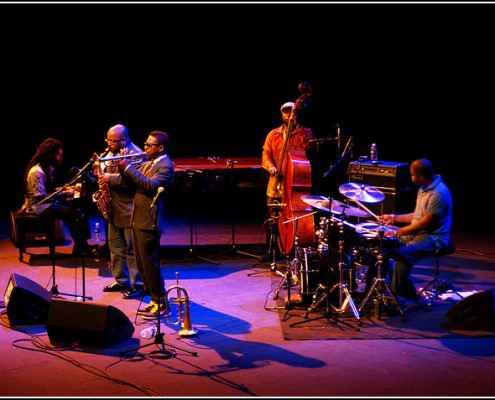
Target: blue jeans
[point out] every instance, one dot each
(414, 248)
(122, 259)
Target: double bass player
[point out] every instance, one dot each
(290, 136)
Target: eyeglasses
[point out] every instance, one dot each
(114, 141)
(151, 144)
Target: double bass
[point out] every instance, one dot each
(289, 185)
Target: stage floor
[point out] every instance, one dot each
(240, 346)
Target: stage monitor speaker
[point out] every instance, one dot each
(87, 324)
(473, 313)
(27, 302)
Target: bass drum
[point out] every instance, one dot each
(310, 274)
(320, 272)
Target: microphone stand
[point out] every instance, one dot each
(162, 352)
(344, 154)
(54, 289)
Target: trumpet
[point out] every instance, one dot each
(183, 312)
(140, 158)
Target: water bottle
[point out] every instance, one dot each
(97, 232)
(373, 152)
(148, 333)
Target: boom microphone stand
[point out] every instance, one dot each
(78, 178)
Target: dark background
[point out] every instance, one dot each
(417, 79)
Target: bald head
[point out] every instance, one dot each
(119, 130)
(422, 167)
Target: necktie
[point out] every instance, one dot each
(147, 168)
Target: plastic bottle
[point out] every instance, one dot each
(148, 333)
(97, 231)
(373, 152)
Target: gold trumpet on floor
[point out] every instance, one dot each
(183, 311)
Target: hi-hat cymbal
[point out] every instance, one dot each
(337, 207)
(361, 192)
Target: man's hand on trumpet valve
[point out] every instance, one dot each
(123, 163)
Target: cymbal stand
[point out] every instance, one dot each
(342, 288)
(379, 288)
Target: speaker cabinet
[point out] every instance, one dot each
(87, 324)
(27, 302)
(473, 313)
(390, 177)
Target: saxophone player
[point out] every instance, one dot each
(122, 260)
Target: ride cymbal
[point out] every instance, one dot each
(361, 192)
(337, 207)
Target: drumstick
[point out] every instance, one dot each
(366, 209)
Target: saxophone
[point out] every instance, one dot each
(102, 196)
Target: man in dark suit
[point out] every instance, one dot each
(153, 180)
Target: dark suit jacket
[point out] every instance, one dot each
(161, 175)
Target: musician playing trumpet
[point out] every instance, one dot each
(122, 260)
(153, 180)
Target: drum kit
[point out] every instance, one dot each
(327, 272)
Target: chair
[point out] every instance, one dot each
(28, 230)
(438, 285)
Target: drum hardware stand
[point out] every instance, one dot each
(233, 249)
(290, 278)
(379, 287)
(341, 286)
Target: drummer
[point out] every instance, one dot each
(420, 231)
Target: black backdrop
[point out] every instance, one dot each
(417, 79)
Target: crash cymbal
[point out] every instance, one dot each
(323, 203)
(361, 192)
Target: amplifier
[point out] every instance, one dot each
(380, 174)
(392, 178)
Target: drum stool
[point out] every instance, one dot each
(437, 285)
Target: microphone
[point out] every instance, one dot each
(338, 136)
(160, 190)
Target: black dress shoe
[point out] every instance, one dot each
(115, 287)
(136, 291)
